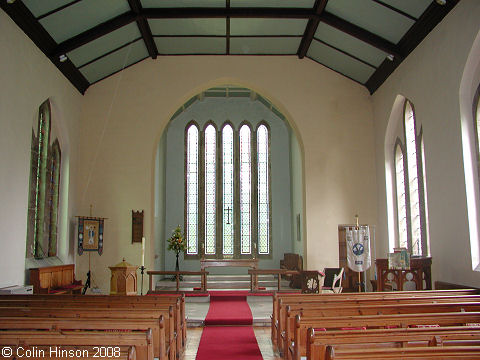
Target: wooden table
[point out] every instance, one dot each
(255, 272)
(177, 274)
(252, 263)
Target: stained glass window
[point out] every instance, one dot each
(210, 184)
(263, 190)
(44, 189)
(245, 190)
(401, 197)
(227, 147)
(191, 226)
(411, 150)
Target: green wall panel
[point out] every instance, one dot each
(189, 45)
(115, 61)
(264, 45)
(188, 26)
(182, 3)
(41, 7)
(273, 3)
(267, 26)
(342, 63)
(412, 7)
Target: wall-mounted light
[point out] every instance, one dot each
(390, 57)
(441, 2)
(62, 58)
(10, 1)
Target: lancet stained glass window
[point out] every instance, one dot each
(234, 158)
(263, 190)
(245, 189)
(228, 168)
(401, 197)
(44, 189)
(210, 189)
(411, 149)
(191, 226)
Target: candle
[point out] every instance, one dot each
(143, 251)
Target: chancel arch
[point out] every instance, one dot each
(228, 179)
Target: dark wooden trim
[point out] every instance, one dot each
(398, 11)
(257, 12)
(228, 29)
(429, 19)
(22, 16)
(144, 28)
(361, 34)
(95, 32)
(311, 28)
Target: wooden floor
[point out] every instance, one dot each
(262, 334)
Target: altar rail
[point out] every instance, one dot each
(203, 276)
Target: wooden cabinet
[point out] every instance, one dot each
(417, 278)
(58, 279)
(124, 279)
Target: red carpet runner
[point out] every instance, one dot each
(231, 341)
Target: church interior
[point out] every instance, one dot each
(217, 140)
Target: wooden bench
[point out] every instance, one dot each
(280, 300)
(298, 347)
(59, 279)
(318, 341)
(333, 310)
(145, 302)
(78, 344)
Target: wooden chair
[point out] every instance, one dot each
(333, 280)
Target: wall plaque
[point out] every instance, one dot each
(137, 226)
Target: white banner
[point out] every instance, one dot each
(358, 248)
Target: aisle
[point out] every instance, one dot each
(228, 333)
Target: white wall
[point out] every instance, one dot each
(331, 115)
(28, 78)
(430, 77)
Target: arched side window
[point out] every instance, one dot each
(401, 197)
(44, 189)
(228, 191)
(411, 187)
(191, 193)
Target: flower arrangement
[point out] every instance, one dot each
(176, 242)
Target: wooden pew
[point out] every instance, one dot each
(113, 302)
(102, 319)
(298, 348)
(116, 327)
(330, 310)
(417, 353)
(283, 299)
(94, 344)
(58, 279)
(318, 341)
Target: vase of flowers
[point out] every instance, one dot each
(177, 243)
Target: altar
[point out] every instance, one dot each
(251, 263)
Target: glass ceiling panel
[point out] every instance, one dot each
(182, 3)
(81, 16)
(411, 7)
(373, 17)
(115, 61)
(188, 26)
(191, 45)
(273, 3)
(267, 26)
(41, 7)
(103, 45)
(340, 62)
(264, 45)
(349, 44)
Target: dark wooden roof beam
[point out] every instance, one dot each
(178, 13)
(361, 34)
(144, 28)
(311, 28)
(95, 32)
